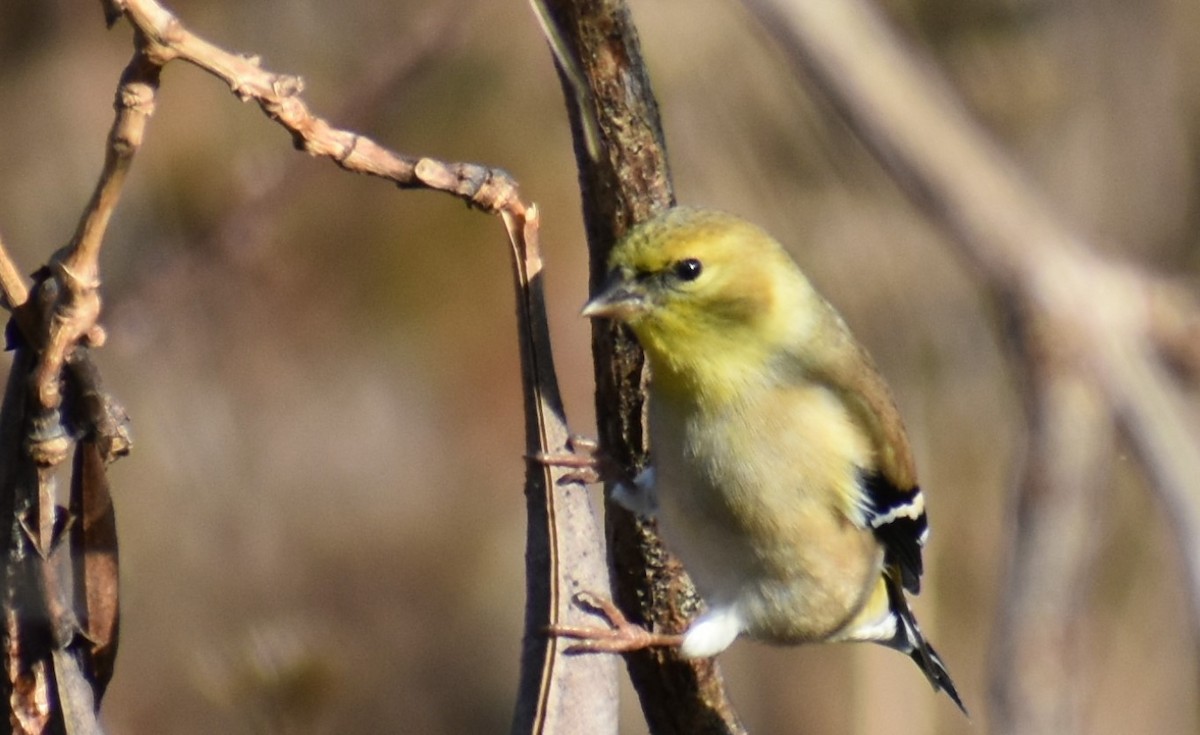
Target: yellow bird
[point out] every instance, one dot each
(781, 473)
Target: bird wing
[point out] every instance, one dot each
(893, 505)
(899, 522)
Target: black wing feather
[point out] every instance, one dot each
(898, 520)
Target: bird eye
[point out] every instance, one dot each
(688, 269)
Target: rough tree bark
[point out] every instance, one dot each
(626, 182)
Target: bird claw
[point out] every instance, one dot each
(584, 460)
(622, 636)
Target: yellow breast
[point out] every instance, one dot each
(746, 486)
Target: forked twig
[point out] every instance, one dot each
(565, 546)
(60, 318)
(489, 189)
(67, 296)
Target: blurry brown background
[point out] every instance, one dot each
(321, 525)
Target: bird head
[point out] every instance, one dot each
(706, 293)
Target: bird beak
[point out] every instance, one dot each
(617, 299)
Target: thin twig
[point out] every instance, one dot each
(67, 294)
(489, 189)
(12, 285)
(14, 293)
(558, 694)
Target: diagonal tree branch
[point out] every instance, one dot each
(66, 297)
(489, 189)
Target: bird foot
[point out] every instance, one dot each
(588, 465)
(621, 636)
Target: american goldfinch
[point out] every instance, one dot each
(781, 474)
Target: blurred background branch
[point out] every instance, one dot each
(1084, 327)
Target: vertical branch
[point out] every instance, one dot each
(1038, 651)
(24, 686)
(60, 567)
(628, 182)
(73, 303)
(558, 694)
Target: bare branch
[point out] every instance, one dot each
(566, 694)
(489, 189)
(12, 286)
(1039, 645)
(15, 293)
(558, 693)
(68, 295)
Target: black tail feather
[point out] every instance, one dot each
(910, 640)
(935, 670)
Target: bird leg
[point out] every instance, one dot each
(621, 636)
(588, 464)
